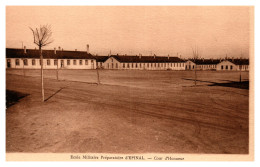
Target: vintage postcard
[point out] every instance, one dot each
(129, 83)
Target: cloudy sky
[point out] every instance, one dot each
(216, 31)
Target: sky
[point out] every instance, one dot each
(161, 30)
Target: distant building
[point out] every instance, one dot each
(190, 65)
(100, 61)
(60, 59)
(233, 65)
(52, 59)
(202, 64)
(140, 62)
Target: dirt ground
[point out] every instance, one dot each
(129, 112)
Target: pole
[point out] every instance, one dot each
(40, 49)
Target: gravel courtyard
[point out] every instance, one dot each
(129, 112)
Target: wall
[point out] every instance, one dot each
(111, 64)
(226, 66)
(90, 65)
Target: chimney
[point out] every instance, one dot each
(140, 56)
(24, 49)
(54, 50)
(62, 49)
(168, 56)
(59, 48)
(76, 50)
(87, 48)
(154, 56)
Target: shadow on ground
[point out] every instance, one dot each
(228, 83)
(12, 97)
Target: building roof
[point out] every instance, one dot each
(205, 61)
(239, 61)
(101, 58)
(33, 53)
(146, 59)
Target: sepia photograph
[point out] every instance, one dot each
(139, 83)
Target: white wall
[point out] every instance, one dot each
(142, 66)
(226, 65)
(90, 65)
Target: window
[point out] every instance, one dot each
(55, 62)
(132, 65)
(8, 63)
(25, 62)
(127, 65)
(222, 67)
(226, 67)
(86, 62)
(147, 64)
(74, 62)
(136, 65)
(91, 61)
(33, 62)
(116, 65)
(151, 64)
(17, 62)
(68, 62)
(80, 62)
(48, 62)
(140, 65)
(231, 67)
(123, 65)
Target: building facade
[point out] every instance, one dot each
(233, 65)
(124, 62)
(52, 59)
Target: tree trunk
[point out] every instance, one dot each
(195, 75)
(57, 71)
(40, 49)
(240, 79)
(23, 68)
(98, 80)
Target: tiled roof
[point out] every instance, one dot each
(33, 53)
(146, 59)
(206, 61)
(239, 61)
(101, 58)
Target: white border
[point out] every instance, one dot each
(3, 3)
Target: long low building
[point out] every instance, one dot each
(53, 59)
(218, 64)
(61, 59)
(140, 62)
(233, 65)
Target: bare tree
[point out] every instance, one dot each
(42, 37)
(195, 53)
(98, 79)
